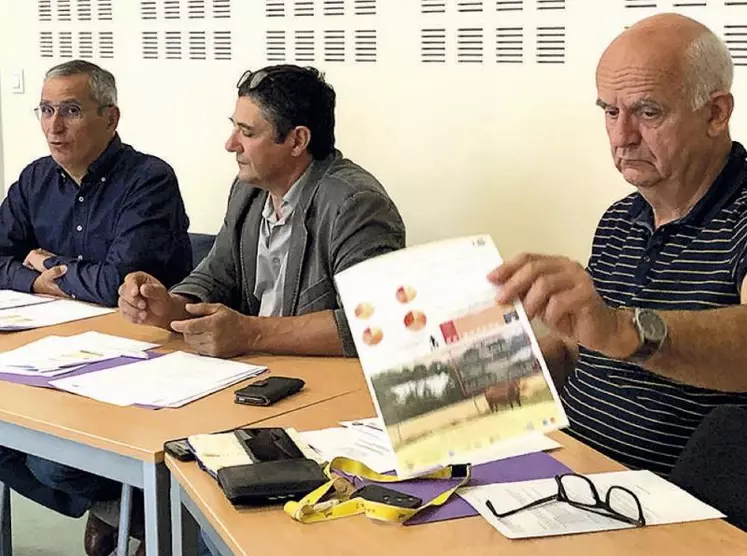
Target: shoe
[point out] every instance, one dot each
(100, 538)
(140, 549)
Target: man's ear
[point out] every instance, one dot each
(113, 118)
(301, 137)
(722, 106)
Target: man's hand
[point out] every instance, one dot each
(35, 259)
(46, 282)
(561, 293)
(145, 300)
(216, 330)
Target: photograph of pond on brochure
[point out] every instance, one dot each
(452, 372)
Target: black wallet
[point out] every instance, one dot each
(268, 391)
(271, 481)
(281, 471)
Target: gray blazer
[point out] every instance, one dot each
(344, 217)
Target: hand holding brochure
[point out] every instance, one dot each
(452, 373)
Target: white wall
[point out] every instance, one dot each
(518, 151)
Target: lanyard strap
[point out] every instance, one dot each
(310, 510)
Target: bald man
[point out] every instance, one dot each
(652, 334)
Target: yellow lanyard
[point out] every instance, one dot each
(310, 510)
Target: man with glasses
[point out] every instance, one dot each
(74, 225)
(78, 221)
(298, 213)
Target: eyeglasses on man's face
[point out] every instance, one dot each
(619, 503)
(70, 111)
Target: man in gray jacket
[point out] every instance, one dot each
(298, 213)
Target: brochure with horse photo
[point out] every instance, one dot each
(452, 373)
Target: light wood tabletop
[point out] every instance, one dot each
(270, 531)
(140, 433)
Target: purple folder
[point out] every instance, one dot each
(43, 381)
(520, 468)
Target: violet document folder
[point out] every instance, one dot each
(538, 465)
(43, 381)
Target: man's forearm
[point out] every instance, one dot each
(312, 334)
(704, 348)
(15, 276)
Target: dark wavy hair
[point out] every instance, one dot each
(291, 96)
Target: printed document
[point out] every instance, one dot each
(172, 380)
(662, 503)
(452, 373)
(10, 299)
(47, 314)
(54, 355)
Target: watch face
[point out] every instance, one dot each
(652, 325)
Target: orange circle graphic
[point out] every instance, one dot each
(415, 320)
(372, 336)
(405, 294)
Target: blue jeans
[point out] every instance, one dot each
(63, 489)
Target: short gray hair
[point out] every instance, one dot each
(708, 68)
(101, 82)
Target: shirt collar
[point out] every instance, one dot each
(103, 164)
(719, 194)
(290, 199)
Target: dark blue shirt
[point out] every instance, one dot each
(698, 262)
(126, 215)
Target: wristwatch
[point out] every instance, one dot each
(652, 331)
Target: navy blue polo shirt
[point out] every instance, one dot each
(126, 215)
(697, 262)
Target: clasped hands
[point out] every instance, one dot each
(46, 282)
(209, 328)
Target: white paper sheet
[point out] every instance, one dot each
(169, 381)
(340, 441)
(54, 355)
(47, 314)
(662, 503)
(10, 299)
(366, 441)
(452, 373)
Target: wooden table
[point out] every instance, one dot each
(126, 443)
(270, 531)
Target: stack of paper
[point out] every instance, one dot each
(10, 299)
(169, 381)
(46, 314)
(366, 440)
(662, 503)
(56, 355)
(358, 440)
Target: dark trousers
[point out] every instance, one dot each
(63, 489)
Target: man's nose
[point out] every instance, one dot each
(233, 145)
(624, 132)
(56, 123)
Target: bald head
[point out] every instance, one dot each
(664, 87)
(682, 51)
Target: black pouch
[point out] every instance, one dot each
(280, 472)
(270, 482)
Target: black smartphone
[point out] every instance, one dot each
(268, 391)
(179, 449)
(378, 493)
